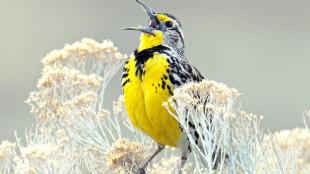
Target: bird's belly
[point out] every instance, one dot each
(146, 112)
(144, 103)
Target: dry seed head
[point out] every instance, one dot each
(83, 100)
(125, 154)
(198, 92)
(248, 116)
(169, 166)
(288, 139)
(44, 107)
(7, 150)
(164, 166)
(51, 101)
(84, 49)
(56, 76)
(119, 106)
(25, 169)
(104, 114)
(39, 151)
(62, 138)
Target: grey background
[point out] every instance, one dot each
(260, 47)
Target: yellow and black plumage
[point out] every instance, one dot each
(151, 74)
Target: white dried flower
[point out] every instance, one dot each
(60, 90)
(231, 136)
(25, 169)
(287, 151)
(39, 151)
(78, 53)
(7, 150)
(125, 154)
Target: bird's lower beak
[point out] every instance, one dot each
(147, 30)
(154, 22)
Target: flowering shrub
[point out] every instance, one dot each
(75, 133)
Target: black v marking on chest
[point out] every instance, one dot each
(142, 56)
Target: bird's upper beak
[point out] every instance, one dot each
(154, 22)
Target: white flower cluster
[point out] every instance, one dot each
(231, 140)
(74, 133)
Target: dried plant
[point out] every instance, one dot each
(230, 137)
(286, 151)
(75, 133)
(126, 155)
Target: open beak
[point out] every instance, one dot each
(147, 30)
(154, 23)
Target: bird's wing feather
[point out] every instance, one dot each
(182, 72)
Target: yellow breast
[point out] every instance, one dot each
(144, 97)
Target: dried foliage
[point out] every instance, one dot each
(126, 155)
(230, 136)
(75, 133)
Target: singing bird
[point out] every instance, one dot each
(150, 75)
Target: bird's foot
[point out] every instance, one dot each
(141, 171)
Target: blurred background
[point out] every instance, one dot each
(261, 47)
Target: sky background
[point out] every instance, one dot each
(261, 47)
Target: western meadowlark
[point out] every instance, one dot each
(151, 74)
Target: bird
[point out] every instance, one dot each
(151, 74)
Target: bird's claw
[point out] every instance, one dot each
(141, 171)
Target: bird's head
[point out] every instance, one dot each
(163, 29)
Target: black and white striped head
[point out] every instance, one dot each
(172, 31)
(163, 29)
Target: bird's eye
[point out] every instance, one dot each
(169, 24)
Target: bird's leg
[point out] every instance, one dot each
(141, 170)
(183, 160)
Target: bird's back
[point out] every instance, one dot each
(149, 78)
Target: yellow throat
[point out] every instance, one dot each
(149, 41)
